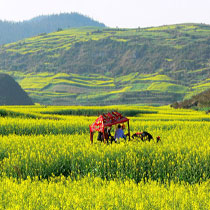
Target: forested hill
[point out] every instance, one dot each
(93, 65)
(14, 31)
(11, 93)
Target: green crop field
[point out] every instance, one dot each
(48, 162)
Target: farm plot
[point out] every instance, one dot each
(47, 161)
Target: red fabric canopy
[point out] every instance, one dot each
(107, 120)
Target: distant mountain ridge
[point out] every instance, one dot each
(14, 31)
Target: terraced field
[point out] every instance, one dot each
(63, 89)
(100, 66)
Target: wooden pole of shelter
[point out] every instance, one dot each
(91, 137)
(104, 137)
(103, 133)
(129, 131)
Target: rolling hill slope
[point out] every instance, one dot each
(93, 65)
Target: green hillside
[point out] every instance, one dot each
(110, 66)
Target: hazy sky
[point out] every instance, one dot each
(113, 13)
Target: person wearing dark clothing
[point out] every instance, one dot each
(144, 136)
(107, 135)
(100, 136)
(158, 139)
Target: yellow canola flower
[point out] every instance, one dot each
(48, 162)
(95, 193)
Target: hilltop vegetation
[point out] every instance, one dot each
(93, 65)
(14, 31)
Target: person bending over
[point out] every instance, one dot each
(145, 136)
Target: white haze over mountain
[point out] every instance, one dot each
(113, 13)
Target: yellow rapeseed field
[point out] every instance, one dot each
(47, 161)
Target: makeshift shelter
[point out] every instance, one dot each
(107, 120)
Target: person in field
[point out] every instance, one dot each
(145, 136)
(119, 133)
(107, 134)
(100, 136)
(158, 138)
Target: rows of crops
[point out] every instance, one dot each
(95, 193)
(47, 162)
